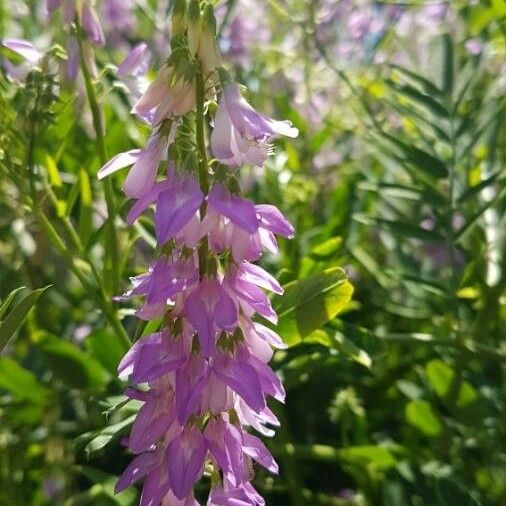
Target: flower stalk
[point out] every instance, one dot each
(203, 376)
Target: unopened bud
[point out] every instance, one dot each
(208, 51)
(193, 26)
(179, 18)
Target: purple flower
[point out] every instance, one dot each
(177, 205)
(209, 309)
(241, 134)
(228, 495)
(474, 46)
(153, 356)
(166, 97)
(92, 25)
(141, 177)
(153, 420)
(236, 224)
(23, 48)
(136, 62)
(186, 454)
(224, 441)
(153, 467)
(242, 378)
(178, 200)
(190, 383)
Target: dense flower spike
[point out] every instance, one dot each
(202, 377)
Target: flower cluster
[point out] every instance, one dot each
(203, 377)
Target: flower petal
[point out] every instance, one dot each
(120, 161)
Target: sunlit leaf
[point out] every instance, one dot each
(309, 303)
(21, 382)
(13, 321)
(421, 415)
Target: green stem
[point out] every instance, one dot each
(60, 246)
(202, 163)
(201, 141)
(111, 264)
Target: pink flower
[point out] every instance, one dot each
(141, 177)
(210, 309)
(241, 134)
(167, 96)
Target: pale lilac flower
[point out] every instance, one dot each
(52, 5)
(241, 134)
(153, 467)
(166, 279)
(474, 46)
(225, 441)
(228, 495)
(167, 96)
(142, 175)
(73, 59)
(27, 51)
(359, 22)
(23, 48)
(186, 455)
(153, 356)
(210, 309)
(136, 62)
(119, 20)
(91, 24)
(236, 224)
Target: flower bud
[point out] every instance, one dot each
(193, 26)
(208, 51)
(91, 25)
(179, 18)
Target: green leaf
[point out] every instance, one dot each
(71, 365)
(429, 87)
(375, 457)
(447, 63)
(474, 190)
(21, 382)
(99, 439)
(327, 248)
(310, 303)
(441, 377)
(426, 101)
(472, 222)
(421, 159)
(342, 344)
(106, 348)
(402, 229)
(85, 211)
(420, 414)
(405, 192)
(370, 265)
(17, 316)
(107, 483)
(8, 300)
(351, 350)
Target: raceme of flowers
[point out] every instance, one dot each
(203, 377)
